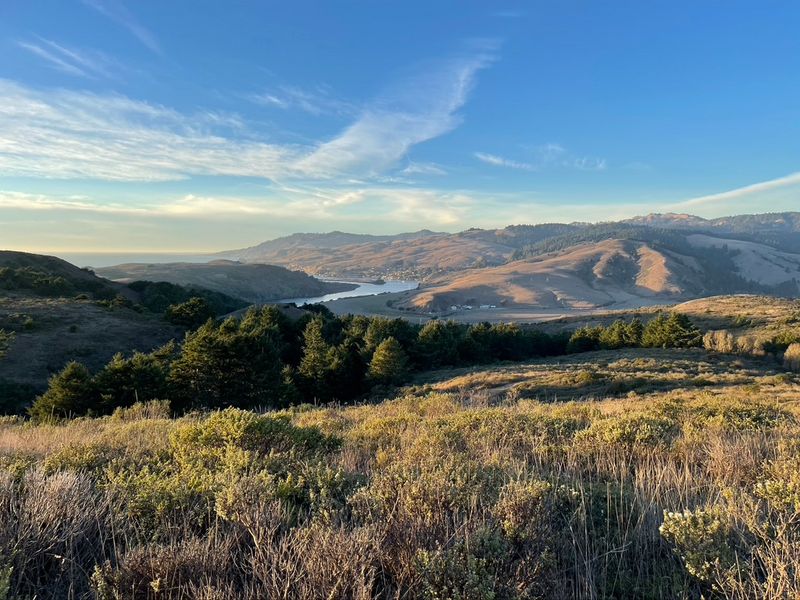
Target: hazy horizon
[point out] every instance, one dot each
(131, 127)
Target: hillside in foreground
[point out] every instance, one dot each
(654, 474)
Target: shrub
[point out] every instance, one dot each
(523, 510)
(77, 457)
(702, 538)
(720, 341)
(6, 337)
(465, 571)
(632, 430)
(791, 358)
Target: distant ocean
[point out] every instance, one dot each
(97, 260)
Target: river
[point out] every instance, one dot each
(363, 289)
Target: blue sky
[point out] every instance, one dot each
(199, 125)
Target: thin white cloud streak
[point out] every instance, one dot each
(419, 109)
(499, 161)
(117, 12)
(53, 60)
(81, 63)
(415, 168)
(64, 134)
(186, 206)
(743, 192)
(316, 102)
(547, 156)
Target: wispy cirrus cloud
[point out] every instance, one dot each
(119, 13)
(499, 161)
(543, 157)
(419, 108)
(63, 134)
(81, 135)
(82, 63)
(417, 168)
(317, 101)
(407, 205)
(743, 192)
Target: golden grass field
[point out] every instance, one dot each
(631, 474)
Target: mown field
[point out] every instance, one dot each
(638, 473)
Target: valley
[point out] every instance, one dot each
(586, 389)
(532, 272)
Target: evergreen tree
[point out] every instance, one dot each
(381, 328)
(346, 373)
(585, 339)
(673, 331)
(389, 364)
(633, 333)
(438, 342)
(682, 332)
(124, 381)
(316, 360)
(228, 365)
(71, 392)
(613, 336)
(655, 333)
(190, 314)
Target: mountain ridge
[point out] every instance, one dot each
(426, 254)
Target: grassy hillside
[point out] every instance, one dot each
(59, 313)
(647, 474)
(552, 266)
(254, 283)
(575, 272)
(49, 332)
(424, 253)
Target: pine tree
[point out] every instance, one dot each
(71, 392)
(438, 342)
(585, 339)
(613, 336)
(389, 364)
(228, 365)
(124, 381)
(191, 314)
(633, 333)
(345, 376)
(682, 332)
(380, 328)
(655, 333)
(316, 359)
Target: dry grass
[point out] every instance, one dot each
(49, 332)
(448, 491)
(597, 375)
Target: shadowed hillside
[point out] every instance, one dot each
(251, 282)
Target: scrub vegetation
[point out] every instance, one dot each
(617, 469)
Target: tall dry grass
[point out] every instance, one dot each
(686, 493)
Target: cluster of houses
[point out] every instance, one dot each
(470, 306)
